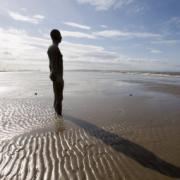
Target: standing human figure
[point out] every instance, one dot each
(56, 70)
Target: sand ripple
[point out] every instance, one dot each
(35, 145)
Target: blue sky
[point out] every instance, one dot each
(116, 34)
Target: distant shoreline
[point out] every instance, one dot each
(158, 73)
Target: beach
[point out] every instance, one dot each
(116, 125)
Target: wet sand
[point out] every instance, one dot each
(131, 132)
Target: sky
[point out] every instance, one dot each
(97, 34)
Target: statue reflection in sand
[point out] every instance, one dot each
(59, 125)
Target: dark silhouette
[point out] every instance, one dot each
(56, 70)
(136, 152)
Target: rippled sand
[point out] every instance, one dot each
(35, 144)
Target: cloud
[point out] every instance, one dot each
(22, 51)
(166, 41)
(100, 58)
(175, 21)
(106, 4)
(20, 45)
(155, 51)
(118, 33)
(87, 53)
(80, 26)
(108, 34)
(103, 26)
(76, 34)
(35, 19)
(171, 27)
(25, 51)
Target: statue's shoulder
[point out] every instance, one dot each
(53, 49)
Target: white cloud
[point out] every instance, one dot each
(76, 34)
(103, 26)
(87, 53)
(166, 42)
(35, 19)
(118, 33)
(155, 51)
(106, 4)
(72, 24)
(120, 3)
(109, 34)
(23, 51)
(18, 45)
(24, 9)
(38, 16)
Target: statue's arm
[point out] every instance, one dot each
(54, 58)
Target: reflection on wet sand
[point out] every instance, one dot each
(59, 125)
